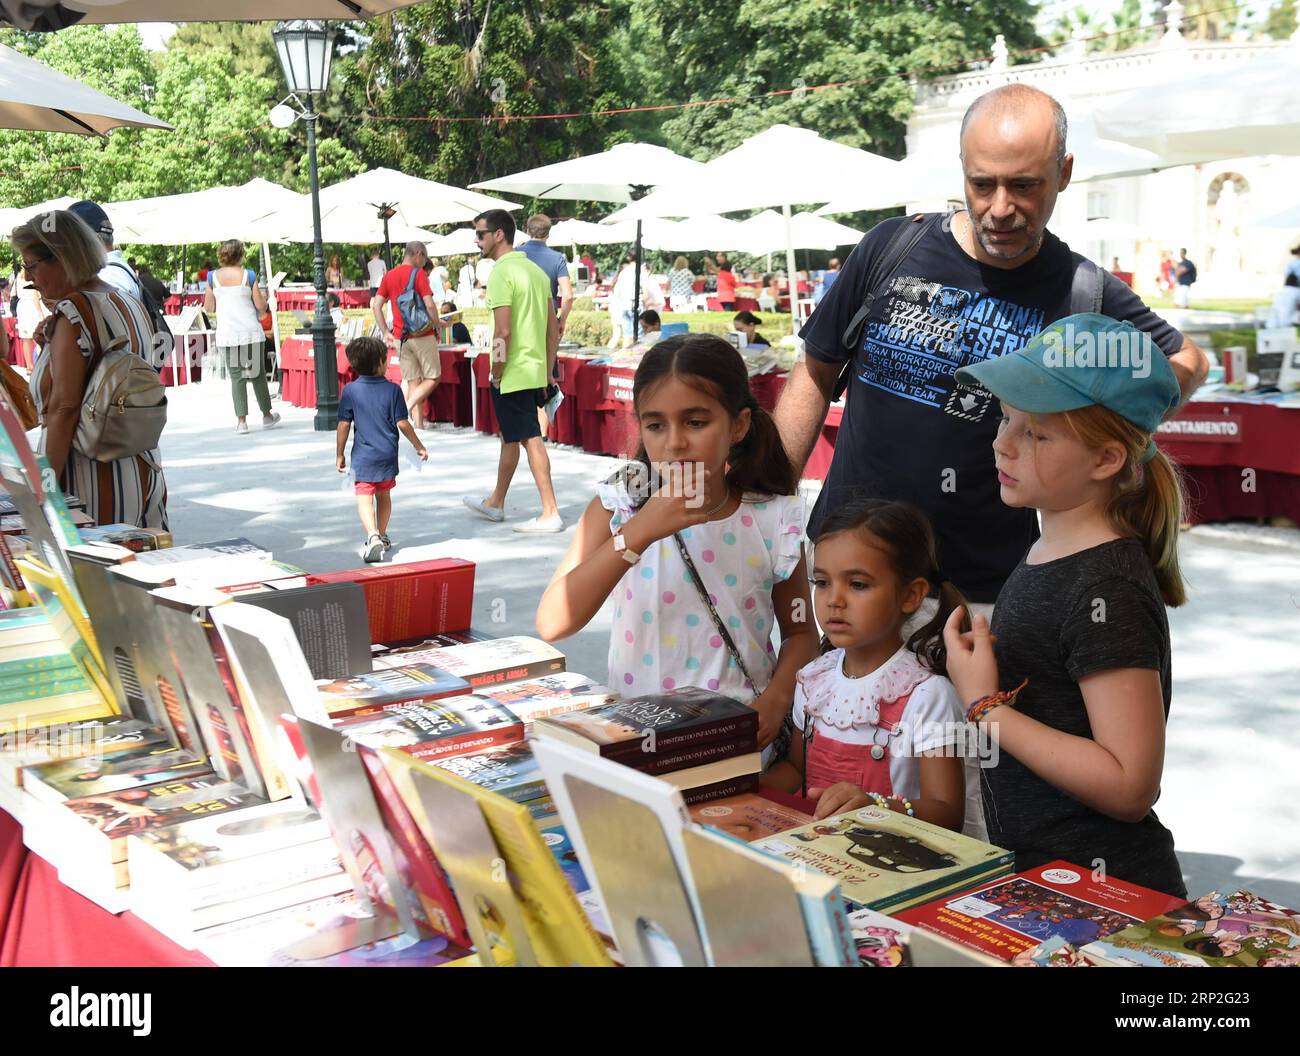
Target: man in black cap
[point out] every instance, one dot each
(117, 272)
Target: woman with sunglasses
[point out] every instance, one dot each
(62, 258)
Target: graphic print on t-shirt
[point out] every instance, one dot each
(929, 330)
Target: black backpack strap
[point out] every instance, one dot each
(901, 243)
(1086, 286)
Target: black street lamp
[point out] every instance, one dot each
(306, 47)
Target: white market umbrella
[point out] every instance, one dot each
(585, 233)
(621, 174)
(766, 232)
(780, 167)
(460, 242)
(12, 217)
(1239, 111)
(350, 211)
(37, 98)
(611, 176)
(210, 215)
(58, 14)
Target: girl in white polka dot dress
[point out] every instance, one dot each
(741, 526)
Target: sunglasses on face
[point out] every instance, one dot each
(30, 266)
(480, 234)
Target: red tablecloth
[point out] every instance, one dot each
(44, 924)
(452, 400)
(305, 300)
(174, 303)
(1240, 459)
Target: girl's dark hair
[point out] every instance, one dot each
(747, 317)
(1206, 947)
(706, 362)
(909, 540)
(365, 354)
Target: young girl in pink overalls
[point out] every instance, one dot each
(876, 720)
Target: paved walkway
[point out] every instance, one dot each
(1232, 773)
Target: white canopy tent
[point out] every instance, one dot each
(210, 215)
(37, 98)
(781, 166)
(460, 242)
(1286, 218)
(620, 174)
(1238, 112)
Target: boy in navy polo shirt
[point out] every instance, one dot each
(378, 409)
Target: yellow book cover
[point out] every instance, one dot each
(37, 714)
(63, 608)
(558, 930)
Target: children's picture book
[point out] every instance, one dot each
(1237, 930)
(886, 860)
(880, 941)
(438, 729)
(562, 847)
(748, 817)
(486, 663)
(1058, 900)
(637, 729)
(367, 693)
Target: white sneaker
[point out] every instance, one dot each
(272, 421)
(373, 550)
(241, 428)
(492, 513)
(539, 526)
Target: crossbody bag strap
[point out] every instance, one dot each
(713, 612)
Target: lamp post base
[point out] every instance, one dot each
(327, 370)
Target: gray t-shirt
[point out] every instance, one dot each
(1097, 610)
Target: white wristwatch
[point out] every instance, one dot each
(620, 547)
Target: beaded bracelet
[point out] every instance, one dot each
(883, 803)
(984, 705)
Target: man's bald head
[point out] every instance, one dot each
(416, 249)
(1018, 102)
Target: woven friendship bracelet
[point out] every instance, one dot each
(984, 705)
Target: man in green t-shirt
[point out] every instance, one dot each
(525, 340)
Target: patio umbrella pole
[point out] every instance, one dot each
(792, 276)
(636, 287)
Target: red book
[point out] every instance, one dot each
(415, 600)
(416, 860)
(1017, 913)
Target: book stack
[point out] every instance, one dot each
(1239, 930)
(1011, 918)
(412, 600)
(212, 871)
(888, 861)
(38, 675)
(704, 744)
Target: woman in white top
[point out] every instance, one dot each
(375, 271)
(239, 302)
(31, 315)
(681, 283)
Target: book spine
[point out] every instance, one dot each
(54, 661)
(665, 760)
(517, 673)
(465, 743)
(13, 579)
(370, 709)
(720, 790)
(40, 690)
(829, 934)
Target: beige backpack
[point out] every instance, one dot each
(124, 408)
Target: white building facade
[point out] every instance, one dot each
(1212, 209)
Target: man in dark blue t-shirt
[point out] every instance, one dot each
(978, 285)
(551, 262)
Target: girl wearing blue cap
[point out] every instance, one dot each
(1073, 677)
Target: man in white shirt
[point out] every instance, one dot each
(482, 272)
(375, 270)
(117, 272)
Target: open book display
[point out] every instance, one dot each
(224, 745)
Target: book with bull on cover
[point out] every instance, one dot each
(887, 861)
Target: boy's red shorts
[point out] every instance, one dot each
(374, 487)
